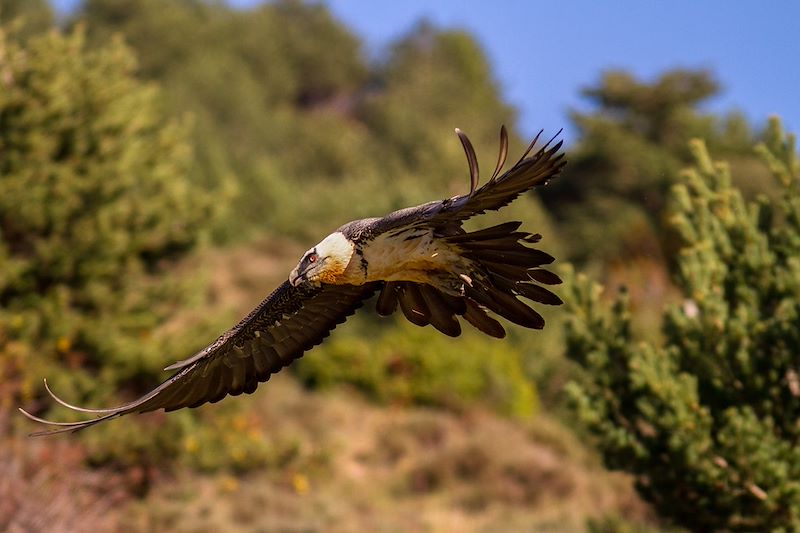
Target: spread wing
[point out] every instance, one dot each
(288, 322)
(533, 169)
(504, 266)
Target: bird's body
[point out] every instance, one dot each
(419, 259)
(407, 255)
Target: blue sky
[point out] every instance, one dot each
(544, 52)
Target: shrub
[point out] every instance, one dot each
(407, 364)
(707, 420)
(95, 209)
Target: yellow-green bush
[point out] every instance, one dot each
(95, 208)
(407, 364)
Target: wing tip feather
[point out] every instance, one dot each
(472, 160)
(503, 153)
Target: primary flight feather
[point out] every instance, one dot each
(419, 259)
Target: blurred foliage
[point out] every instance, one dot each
(619, 524)
(95, 210)
(407, 364)
(103, 197)
(254, 81)
(632, 147)
(707, 421)
(285, 122)
(26, 17)
(432, 80)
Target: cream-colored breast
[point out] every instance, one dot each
(410, 256)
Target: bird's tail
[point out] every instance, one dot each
(504, 268)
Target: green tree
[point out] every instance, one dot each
(95, 209)
(27, 17)
(632, 147)
(707, 420)
(432, 81)
(266, 87)
(289, 114)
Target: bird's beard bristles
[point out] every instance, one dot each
(337, 250)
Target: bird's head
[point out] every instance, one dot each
(325, 262)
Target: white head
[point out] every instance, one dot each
(325, 262)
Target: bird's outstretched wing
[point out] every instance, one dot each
(287, 323)
(533, 169)
(293, 319)
(504, 265)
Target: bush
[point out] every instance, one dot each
(407, 364)
(632, 146)
(95, 209)
(707, 421)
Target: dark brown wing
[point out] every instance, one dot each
(288, 322)
(505, 266)
(534, 168)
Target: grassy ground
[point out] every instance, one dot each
(359, 467)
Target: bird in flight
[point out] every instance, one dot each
(419, 259)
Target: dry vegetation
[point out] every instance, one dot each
(357, 467)
(45, 486)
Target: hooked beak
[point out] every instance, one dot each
(295, 278)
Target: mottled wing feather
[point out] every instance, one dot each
(287, 323)
(534, 169)
(505, 266)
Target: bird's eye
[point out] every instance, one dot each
(312, 258)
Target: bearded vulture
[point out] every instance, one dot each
(420, 259)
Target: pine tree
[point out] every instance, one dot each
(266, 87)
(707, 420)
(95, 208)
(633, 144)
